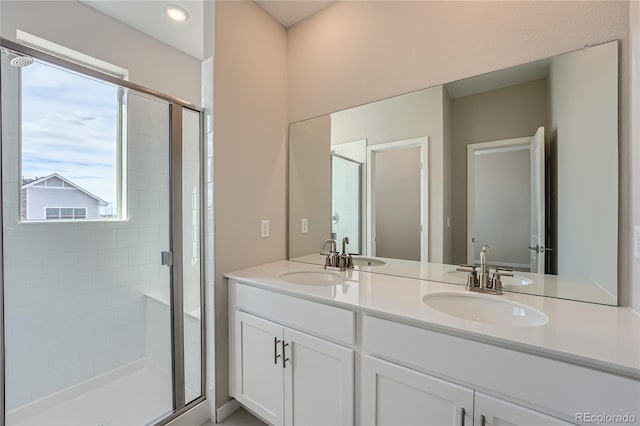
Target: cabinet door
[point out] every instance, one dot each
(319, 379)
(491, 411)
(259, 379)
(397, 396)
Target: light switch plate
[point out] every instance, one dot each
(264, 228)
(636, 242)
(305, 225)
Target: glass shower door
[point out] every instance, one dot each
(192, 253)
(89, 203)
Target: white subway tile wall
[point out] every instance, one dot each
(75, 292)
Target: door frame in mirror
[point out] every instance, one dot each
(423, 144)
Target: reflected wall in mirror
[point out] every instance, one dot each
(524, 160)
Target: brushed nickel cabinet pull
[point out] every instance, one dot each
(462, 415)
(483, 420)
(275, 350)
(284, 354)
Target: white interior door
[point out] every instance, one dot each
(499, 202)
(398, 218)
(537, 202)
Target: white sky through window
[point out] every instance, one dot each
(69, 127)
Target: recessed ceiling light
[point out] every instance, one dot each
(176, 12)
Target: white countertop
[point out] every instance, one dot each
(562, 287)
(593, 335)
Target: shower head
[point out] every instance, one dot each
(21, 61)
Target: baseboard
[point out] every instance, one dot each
(226, 410)
(194, 417)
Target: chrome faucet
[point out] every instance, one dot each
(484, 277)
(345, 261)
(482, 281)
(334, 258)
(332, 255)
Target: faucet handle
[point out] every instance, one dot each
(472, 278)
(497, 281)
(466, 268)
(505, 272)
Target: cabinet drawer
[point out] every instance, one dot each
(543, 384)
(320, 320)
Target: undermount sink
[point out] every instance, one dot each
(515, 281)
(367, 261)
(318, 278)
(487, 309)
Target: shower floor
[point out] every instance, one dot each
(135, 398)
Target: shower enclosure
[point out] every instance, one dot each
(102, 247)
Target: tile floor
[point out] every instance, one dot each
(240, 418)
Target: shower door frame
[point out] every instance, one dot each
(176, 107)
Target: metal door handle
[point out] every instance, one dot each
(276, 355)
(483, 420)
(284, 354)
(166, 258)
(462, 414)
(539, 249)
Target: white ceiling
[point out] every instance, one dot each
(290, 12)
(499, 79)
(149, 17)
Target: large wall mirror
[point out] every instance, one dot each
(523, 160)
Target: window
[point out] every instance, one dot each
(65, 213)
(71, 146)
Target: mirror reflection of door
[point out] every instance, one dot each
(397, 200)
(506, 202)
(345, 200)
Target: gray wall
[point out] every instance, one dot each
(632, 294)
(583, 94)
(447, 143)
(507, 113)
(396, 183)
(250, 151)
(309, 184)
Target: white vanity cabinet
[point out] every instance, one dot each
(490, 411)
(297, 353)
(394, 395)
(259, 376)
(286, 376)
(536, 390)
